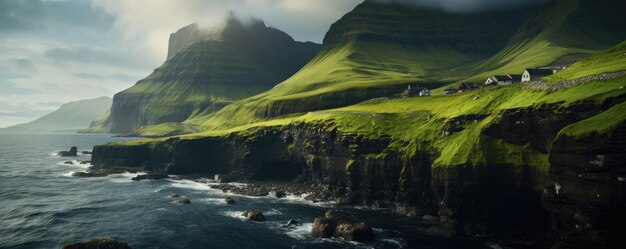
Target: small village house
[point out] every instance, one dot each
(499, 80)
(531, 74)
(416, 92)
(468, 86)
(450, 91)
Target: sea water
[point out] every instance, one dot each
(43, 206)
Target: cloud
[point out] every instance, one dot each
(22, 65)
(55, 51)
(28, 15)
(123, 57)
(465, 6)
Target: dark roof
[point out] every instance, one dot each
(539, 71)
(501, 77)
(515, 76)
(469, 85)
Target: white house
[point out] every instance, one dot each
(531, 74)
(499, 80)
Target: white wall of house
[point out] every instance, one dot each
(505, 83)
(526, 76)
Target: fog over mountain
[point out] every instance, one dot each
(464, 6)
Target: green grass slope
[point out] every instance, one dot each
(375, 50)
(417, 124)
(239, 61)
(560, 33)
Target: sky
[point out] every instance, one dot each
(56, 51)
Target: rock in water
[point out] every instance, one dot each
(149, 177)
(174, 196)
(182, 201)
(253, 215)
(86, 152)
(277, 194)
(90, 174)
(73, 152)
(229, 200)
(341, 224)
(293, 222)
(101, 243)
(69, 162)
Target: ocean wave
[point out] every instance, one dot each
(75, 163)
(301, 199)
(397, 242)
(301, 232)
(273, 212)
(69, 174)
(233, 214)
(123, 177)
(187, 184)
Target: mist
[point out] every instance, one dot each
(469, 6)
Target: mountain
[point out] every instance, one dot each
(206, 72)
(558, 34)
(379, 48)
(376, 50)
(72, 116)
(542, 158)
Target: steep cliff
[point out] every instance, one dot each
(236, 62)
(185, 37)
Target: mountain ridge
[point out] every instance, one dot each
(71, 116)
(241, 60)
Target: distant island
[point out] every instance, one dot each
(70, 117)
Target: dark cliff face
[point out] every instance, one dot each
(587, 192)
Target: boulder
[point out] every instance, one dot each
(90, 174)
(277, 194)
(341, 224)
(293, 222)
(84, 152)
(69, 162)
(149, 177)
(73, 152)
(229, 200)
(100, 243)
(253, 215)
(183, 201)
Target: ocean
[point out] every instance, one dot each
(43, 206)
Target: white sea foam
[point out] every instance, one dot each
(273, 212)
(213, 200)
(187, 184)
(123, 177)
(301, 199)
(69, 174)
(399, 243)
(300, 232)
(238, 184)
(234, 214)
